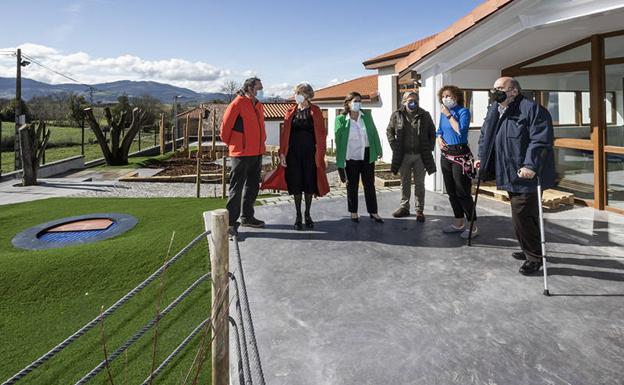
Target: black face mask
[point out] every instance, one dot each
(499, 96)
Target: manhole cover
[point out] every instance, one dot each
(74, 230)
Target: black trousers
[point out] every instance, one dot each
(525, 218)
(354, 169)
(458, 186)
(244, 186)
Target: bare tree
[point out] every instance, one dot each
(117, 154)
(33, 142)
(229, 88)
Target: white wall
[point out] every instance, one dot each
(272, 128)
(387, 97)
(431, 83)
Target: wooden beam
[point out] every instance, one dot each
(548, 69)
(547, 55)
(573, 143)
(614, 149)
(597, 117)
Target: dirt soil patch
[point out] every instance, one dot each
(179, 164)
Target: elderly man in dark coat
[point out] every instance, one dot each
(515, 145)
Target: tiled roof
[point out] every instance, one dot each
(366, 86)
(193, 112)
(404, 57)
(398, 53)
(272, 110)
(275, 110)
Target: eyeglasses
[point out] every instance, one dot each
(493, 90)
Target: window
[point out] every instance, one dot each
(477, 102)
(566, 96)
(614, 47)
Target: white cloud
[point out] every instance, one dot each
(196, 75)
(283, 90)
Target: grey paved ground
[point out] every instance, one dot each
(401, 303)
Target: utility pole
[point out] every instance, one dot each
(18, 109)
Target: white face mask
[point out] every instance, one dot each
(355, 106)
(449, 102)
(299, 99)
(259, 94)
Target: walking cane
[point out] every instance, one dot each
(474, 208)
(542, 237)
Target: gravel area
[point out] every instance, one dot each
(156, 190)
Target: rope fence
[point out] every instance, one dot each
(247, 357)
(83, 330)
(86, 378)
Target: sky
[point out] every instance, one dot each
(203, 43)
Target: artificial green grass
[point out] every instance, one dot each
(46, 295)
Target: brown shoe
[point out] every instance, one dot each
(401, 213)
(420, 217)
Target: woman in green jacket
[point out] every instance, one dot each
(357, 149)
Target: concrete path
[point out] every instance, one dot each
(402, 303)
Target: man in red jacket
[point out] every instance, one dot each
(243, 132)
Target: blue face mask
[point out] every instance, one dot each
(412, 105)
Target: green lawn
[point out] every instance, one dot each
(47, 295)
(92, 151)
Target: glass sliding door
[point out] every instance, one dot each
(582, 86)
(614, 122)
(566, 96)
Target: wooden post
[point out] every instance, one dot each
(174, 134)
(162, 134)
(186, 132)
(223, 177)
(198, 180)
(199, 137)
(597, 119)
(214, 130)
(217, 221)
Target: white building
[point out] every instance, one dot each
(274, 113)
(567, 55)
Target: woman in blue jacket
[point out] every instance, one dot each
(457, 159)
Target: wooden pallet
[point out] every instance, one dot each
(551, 198)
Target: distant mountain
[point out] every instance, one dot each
(107, 92)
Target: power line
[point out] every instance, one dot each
(35, 61)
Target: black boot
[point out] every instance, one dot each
(298, 225)
(530, 267)
(308, 203)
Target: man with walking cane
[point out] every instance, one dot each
(516, 143)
